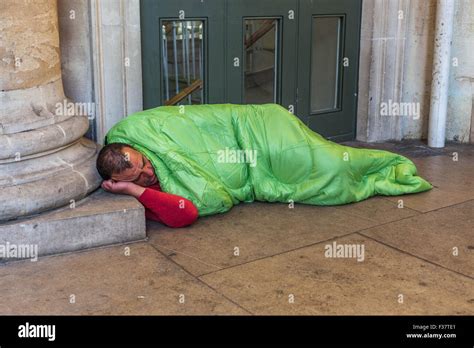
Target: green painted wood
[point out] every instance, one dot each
(212, 12)
(286, 71)
(224, 82)
(339, 125)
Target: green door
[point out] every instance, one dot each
(301, 54)
(261, 52)
(328, 56)
(182, 52)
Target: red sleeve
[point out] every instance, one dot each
(172, 210)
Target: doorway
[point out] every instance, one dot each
(301, 54)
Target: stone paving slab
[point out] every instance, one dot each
(107, 282)
(452, 180)
(260, 230)
(305, 282)
(444, 236)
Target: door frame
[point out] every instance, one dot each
(219, 73)
(341, 123)
(238, 11)
(152, 13)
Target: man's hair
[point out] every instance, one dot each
(111, 160)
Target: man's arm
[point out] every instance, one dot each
(172, 210)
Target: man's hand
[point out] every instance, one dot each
(123, 187)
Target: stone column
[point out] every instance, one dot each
(45, 162)
(117, 68)
(440, 77)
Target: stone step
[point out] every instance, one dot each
(99, 219)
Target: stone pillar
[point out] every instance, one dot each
(45, 162)
(440, 77)
(117, 66)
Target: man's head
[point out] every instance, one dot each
(120, 162)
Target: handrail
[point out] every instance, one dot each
(265, 28)
(197, 84)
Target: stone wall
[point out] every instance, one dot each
(102, 58)
(460, 122)
(396, 63)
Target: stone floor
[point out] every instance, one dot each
(269, 259)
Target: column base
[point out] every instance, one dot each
(57, 179)
(100, 219)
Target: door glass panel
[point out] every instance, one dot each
(325, 63)
(260, 60)
(183, 62)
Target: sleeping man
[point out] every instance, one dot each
(182, 162)
(127, 171)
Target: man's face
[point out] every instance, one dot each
(141, 173)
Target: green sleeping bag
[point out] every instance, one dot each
(218, 155)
